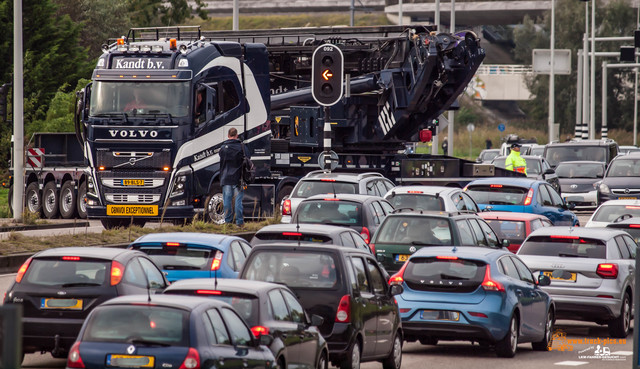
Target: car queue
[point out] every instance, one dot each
(432, 265)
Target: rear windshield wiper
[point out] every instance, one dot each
(81, 284)
(563, 254)
(418, 243)
(149, 343)
(495, 202)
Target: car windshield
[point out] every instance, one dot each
(49, 272)
(624, 168)
(138, 323)
(564, 246)
(537, 151)
(533, 166)
(610, 213)
(304, 269)
(416, 201)
(497, 194)
(329, 211)
(309, 188)
(177, 256)
(489, 155)
(134, 98)
(246, 305)
(512, 230)
(415, 230)
(445, 273)
(557, 154)
(580, 170)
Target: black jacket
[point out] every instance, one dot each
(230, 162)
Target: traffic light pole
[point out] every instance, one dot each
(18, 127)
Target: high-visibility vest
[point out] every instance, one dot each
(516, 162)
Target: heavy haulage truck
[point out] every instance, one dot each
(158, 158)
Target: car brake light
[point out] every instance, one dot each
(331, 199)
(343, 315)
(286, 207)
(217, 260)
(398, 277)
(607, 271)
(173, 244)
(447, 257)
(564, 236)
(328, 180)
(495, 186)
(414, 192)
(259, 330)
(70, 258)
(74, 360)
(634, 225)
(117, 271)
(365, 234)
(527, 200)
(632, 207)
(192, 361)
(22, 270)
(208, 292)
(490, 285)
(291, 234)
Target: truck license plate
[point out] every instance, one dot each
(133, 182)
(135, 210)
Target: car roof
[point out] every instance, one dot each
(511, 181)
(182, 302)
(507, 215)
(600, 233)
(605, 142)
(107, 253)
(429, 213)
(185, 237)
(620, 202)
(341, 176)
(426, 190)
(304, 227)
(224, 284)
(343, 196)
(572, 162)
(632, 155)
(462, 251)
(306, 246)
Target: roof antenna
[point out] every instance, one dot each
(148, 286)
(333, 187)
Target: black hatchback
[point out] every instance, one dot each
(57, 289)
(347, 288)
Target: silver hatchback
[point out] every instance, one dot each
(591, 270)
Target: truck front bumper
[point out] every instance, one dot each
(128, 211)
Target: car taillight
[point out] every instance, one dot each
(259, 330)
(365, 234)
(22, 270)
(117, 271)
(490, 285)
(286, 207)
(398, 277)
(208, 292)
(372, 247)
(192, 361)
(527, 200)
(607, 271)
(343, 315)
(217, 260)
(74, 360)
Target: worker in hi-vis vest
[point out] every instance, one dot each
(514, 161)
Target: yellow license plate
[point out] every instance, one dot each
(402, 257)
(133, 182)
(572, 278)
(69, 304)
(132, 210)
(130, 361)
(627, 198)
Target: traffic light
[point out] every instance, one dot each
(4, 91)
(327, 74)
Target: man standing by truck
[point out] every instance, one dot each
(231, 155)
(514, 161)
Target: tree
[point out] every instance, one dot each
(146, 13)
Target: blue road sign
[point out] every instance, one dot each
(501, 127)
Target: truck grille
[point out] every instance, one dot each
(132, 198)
(119, 182)
(133, 160)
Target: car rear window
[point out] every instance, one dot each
(416, 201)
(498, 194)
(564, 246)
(293, 236)
(177, 257)
(512, 230)
(339, 212)
(303, 269)
(415, 230)
(557, 154)
(67, 273)
(308, 188)
(609, 213)
(246, 305)
(117, 323)
(444, 273)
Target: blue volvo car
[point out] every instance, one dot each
(522, 195)
(183, 255)
(478, 294)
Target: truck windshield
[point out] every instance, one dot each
(140, 98)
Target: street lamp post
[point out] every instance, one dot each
(552, 91)
(592, 116)
(585, 74)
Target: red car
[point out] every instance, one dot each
(514, 227)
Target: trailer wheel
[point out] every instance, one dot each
(81, 202)
(213, 207)
(50, 200)
(32, 197)
(67, 200)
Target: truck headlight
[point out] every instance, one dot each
(178, 186)
(91, 188)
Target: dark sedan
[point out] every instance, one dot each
(620, 182)
(268, 308)
(579, 181)
(537, 167)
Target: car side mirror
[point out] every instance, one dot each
(395, 289)
(543, 280)
(265, 339)
(316, 320)
(549, 171)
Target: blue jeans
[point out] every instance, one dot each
(228, 192)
